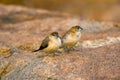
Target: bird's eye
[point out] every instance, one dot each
(56, 35)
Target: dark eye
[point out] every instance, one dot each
(56, 35)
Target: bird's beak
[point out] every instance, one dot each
(81, 28)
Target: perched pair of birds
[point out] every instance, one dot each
(53, 41)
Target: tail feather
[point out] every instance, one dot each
(35, 50)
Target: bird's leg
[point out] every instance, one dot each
(67, 50)
(72, 49)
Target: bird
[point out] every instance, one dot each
(71, 37)
(51, 43)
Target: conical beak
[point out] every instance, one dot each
(81, 28)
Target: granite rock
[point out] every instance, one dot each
(96, 56)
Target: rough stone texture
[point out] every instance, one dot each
(86, 64)
(96, 57)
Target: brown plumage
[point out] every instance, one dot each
(51, 43)
(71, 37)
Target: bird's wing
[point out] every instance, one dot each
(65, 35)
(44, 43)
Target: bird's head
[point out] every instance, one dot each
(55, 37)
(76, 28)
(55, 34)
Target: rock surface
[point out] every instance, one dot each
(96, 57)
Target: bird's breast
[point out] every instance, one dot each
(53, 46)
(72, 38)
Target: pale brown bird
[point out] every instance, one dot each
(51, 43)
(71, 37)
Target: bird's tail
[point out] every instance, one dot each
(35, 50)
